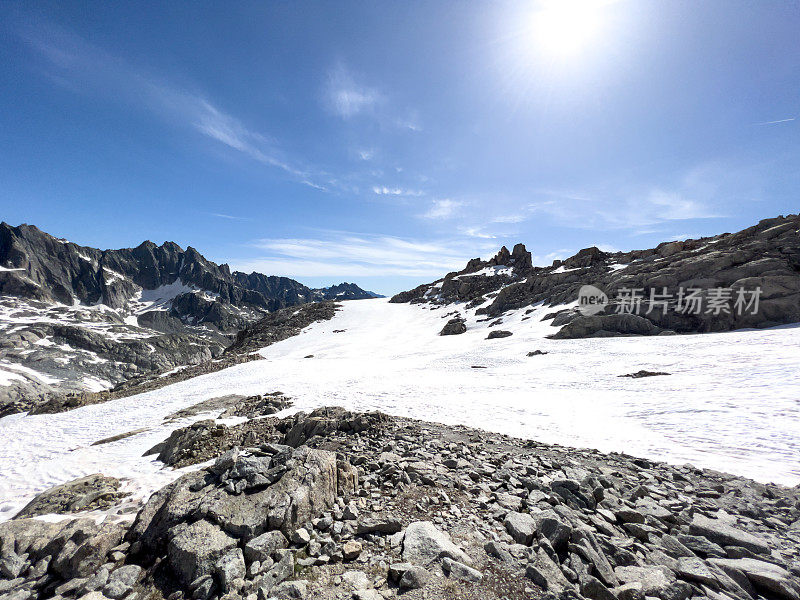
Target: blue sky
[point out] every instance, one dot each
(388, 142)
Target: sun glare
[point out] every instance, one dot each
(564, 28)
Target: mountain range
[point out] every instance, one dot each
(78, 318)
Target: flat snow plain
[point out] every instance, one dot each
(732, 401)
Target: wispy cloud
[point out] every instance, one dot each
(477, 232)
(347, 98)
(382, 190)
(776, 122)
(442, 209)
(228, 217)
(509, 219)
(71, 61)
(344, 254)
(701, 193)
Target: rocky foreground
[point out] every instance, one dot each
(335, 504)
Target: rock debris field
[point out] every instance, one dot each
(340, 504)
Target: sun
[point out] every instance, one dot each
(562, 29)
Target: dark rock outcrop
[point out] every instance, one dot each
(455, 326)
(763, 257)
(86, 493)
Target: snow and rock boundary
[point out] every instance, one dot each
(372, 506)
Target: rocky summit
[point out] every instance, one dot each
(76, 319)
(764, 258)
(335, 504)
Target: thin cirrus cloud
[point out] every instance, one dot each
(700, 193)
(442, 209)
(72, 62)
(348, 98)
(653, 207)
(382, 190)
(341, 254)
(789, 120)
(228, 217)
(345, 97)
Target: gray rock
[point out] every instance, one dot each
(356, 580)
(229, 567)
(280, 571)
(86, 493)
(496, 550)
(423, 544)
(702, 546)
(521, 527)
(367, 595)
(593, 588)
(195, 549)
(546, 574)
(264, 546)
(460, 571)
(382, 525)
(79, 547)
(629, 515)
(498, 333)
(414, 578)
(202, 587)
(307, 489)
(225, 462)
(764, 575)
(96, 581)
(657, 581)
(672, 546)
(454, 326)
(396, 570)
(628, 591)
(121, 581)
(695, 569)
(300, 536)
(725, 534)
(290, 590)
(11, 565)
(587, 546)
(552, 527)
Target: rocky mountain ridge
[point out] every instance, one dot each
(764, 257)
(38, 266)
(76, 319)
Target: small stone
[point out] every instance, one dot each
(301, 537)
(356, 580)
(458, 570)
(521, 527)
(289, 590)
(351, 550)
(350, 512)
(396, 570)
(414, 578)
